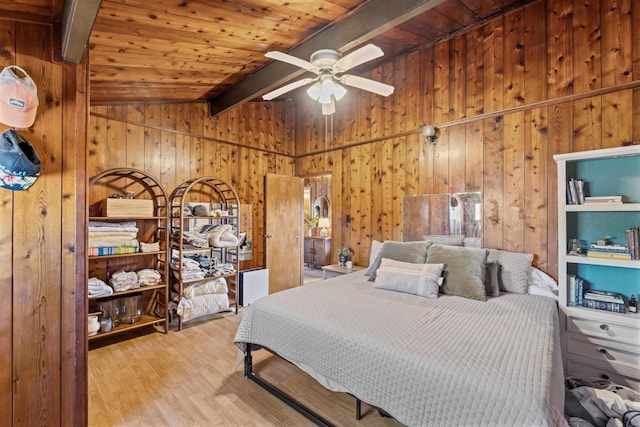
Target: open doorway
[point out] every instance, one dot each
(318, 222)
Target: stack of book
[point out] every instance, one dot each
(633, 242)
(603, 199)
(609, 251)
(575, 192)
(608, 301)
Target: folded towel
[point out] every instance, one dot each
(149, 276)
(149, 247)
(98, 288)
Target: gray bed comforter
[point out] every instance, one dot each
(451, 361)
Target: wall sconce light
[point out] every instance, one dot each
(431, 133)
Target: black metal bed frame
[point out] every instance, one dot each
(299, 407)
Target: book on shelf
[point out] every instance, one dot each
(571, 284)
(609, 255)
(604, 305)
(604, 296)
(633, 242)
(609, 248)
(603, 199)
(576, 289)
(575, 192)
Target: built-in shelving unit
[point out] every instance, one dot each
(600, 343)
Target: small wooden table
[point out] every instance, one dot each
(339, 269)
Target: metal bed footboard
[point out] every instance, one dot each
(299, 407)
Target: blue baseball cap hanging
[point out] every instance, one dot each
(19, 162)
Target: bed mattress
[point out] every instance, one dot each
(427, 362)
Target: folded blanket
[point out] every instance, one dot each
(204, 287)
(223, 236)
(121, 225)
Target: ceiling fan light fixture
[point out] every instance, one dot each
(339, 91)
(315, 90)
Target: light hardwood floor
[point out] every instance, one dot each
(192, 378)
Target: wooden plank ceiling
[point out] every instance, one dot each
(187, 50)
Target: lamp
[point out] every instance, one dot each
(324, 223)
(431, 133)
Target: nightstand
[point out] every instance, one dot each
(338, 269)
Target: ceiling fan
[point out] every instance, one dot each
(329, 66)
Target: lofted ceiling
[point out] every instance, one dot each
(188, 50)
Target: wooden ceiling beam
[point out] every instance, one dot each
(367, 22)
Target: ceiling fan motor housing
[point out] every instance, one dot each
(324, 58)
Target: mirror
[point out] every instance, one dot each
(321, 208)
(441, 214)
(317, 196)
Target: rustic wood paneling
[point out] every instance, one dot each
(43, 321)
(175, 142)
(525, 96)
(7, 41)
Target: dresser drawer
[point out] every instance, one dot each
(584, 370)
(605, 330)
(606, 354)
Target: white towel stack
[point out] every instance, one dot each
(124, 280)
(148, 276)
(149, 247)
(98, 288)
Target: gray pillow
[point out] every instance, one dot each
(409, 277)
(415, 252)
(464, 270)
(492, 279)
(515, 269)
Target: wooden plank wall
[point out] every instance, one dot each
(178, 142)
(42, 315)
(552, 77)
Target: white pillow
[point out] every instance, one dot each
(540, 283)
(376, 245)
(514, 274)
(412, 278)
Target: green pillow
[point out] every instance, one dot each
(464, 270)
(415, 252)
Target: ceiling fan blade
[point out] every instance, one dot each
(367, 84)
(357, 57)
(285, 57)
(286, 88)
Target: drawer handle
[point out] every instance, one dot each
(604, 327)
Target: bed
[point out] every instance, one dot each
(444, 360)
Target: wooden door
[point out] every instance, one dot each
(283, 231)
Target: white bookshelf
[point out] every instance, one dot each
(598, 343)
